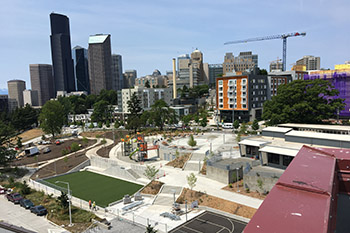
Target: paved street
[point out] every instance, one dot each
(16, 215)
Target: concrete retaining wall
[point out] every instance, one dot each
(267, 182)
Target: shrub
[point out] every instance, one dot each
(25, 189)
(64, 152)
(191, 142)
(91, 126)
(103, 141)
(108, 124)
(99, 124)
(74, 147)
(247, 190)
(230, 185)
(85, 140)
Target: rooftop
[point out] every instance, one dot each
(315, 135)
(277, 129)
(314, 126)
(97, 39)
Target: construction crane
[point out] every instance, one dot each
(283, 37)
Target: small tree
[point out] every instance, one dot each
(236, 124)
(25, 189)
(19, 142)
(63, 200)
(238, 137)
(85, 141)
(91, 126)
(74, 147)
(108, 124)
(255, 125)
(191, 142)
(103, 141)
(149, 228)
(243, 128)
(191, 180)
(100, 124)
(151, 172)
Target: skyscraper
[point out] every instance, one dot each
(15, 89)
(311, 62)
(117, 72)
(61, 53)
(129, 78)
(80, 57)
(243, 62)
(100, 63)
(42, 82)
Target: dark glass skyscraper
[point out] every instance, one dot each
(80, 57)
(61, 53)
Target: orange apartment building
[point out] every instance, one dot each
(241, 97)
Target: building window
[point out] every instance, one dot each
(221, 106)
(244, 106)
(273, 158)
(287, 160)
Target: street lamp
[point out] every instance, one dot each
(70, 212)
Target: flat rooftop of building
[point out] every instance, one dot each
(250, 142)
(315, 126)
(301, 199)
(315, 135)
(280, 150)
(277, 129)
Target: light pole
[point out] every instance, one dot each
(70, 212)
(237, 179)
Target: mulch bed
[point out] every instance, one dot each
(216, 203)
(243, 191)
(180, 161)
(152, 188)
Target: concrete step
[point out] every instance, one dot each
(192, 166)
(167, 189)
(164, 200)
(197, 157)
(133, 173)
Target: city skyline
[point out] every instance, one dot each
(148, 35)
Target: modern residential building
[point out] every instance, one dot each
(156, 79)
(148, 97)
(129, 77)
(241, 97)
(81, 69)
(100, 63)
(117, 72)
(311, 62)
(278, 77)
(30, 97)
(15, 89)
(4, 105)
(61, 53)
(340, 79)
(245, 61)
(42, 81)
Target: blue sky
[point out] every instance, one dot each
(148, 34)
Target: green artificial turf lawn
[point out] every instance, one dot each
(95, 187)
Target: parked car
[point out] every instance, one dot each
(38, 210)
(58, 142)
(31, 151)
(25, 203)
(3, 190)
(46, 150)
(14, 197)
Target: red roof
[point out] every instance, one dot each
(303, 198)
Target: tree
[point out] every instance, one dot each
(191, 142)
(24, 118)
(19, 142)
(134, 106)
(101, 111)
(150, 229)
(24, 188)
(236, 124)
(67, 107)
(303, 101)
(263, 72)
(204, 121)
(151, 172)
(147, 85)
(63, 200)
(6, 155)
(161, 113)
(191, 180)
(243, 128)
(255, 125)
(186, 119)
(146, 118)
(52, 117)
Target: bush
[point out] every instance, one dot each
(103, 141)
(247, 190)
(24, 189)
(100, 124)
(74, 147)
(108, 124)
(230, 185)
(85, 140)
(91, 126)
(64, 152)
(191, 142)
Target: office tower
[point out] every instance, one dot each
(100, 62)
(80, 57)
(156, 79)
(61, 53)
(117, 72)
(311, 62)
(197, 66)
(129, 77)
(15, 89)
(243, 62)
(4, 105)
(42, 81)
(30, 97)
(215, 71)
(276, 65)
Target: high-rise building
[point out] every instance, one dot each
(190, 69)
(4, 105)
(117, 72)
(243, 62)
(61, 53)
(156, 79)
(100, 63)
(80, 57)
(30, 97)
(129, 77)
(15, 89)
(42, 81)
(276, 65)
(215, 71)
(311, 62)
